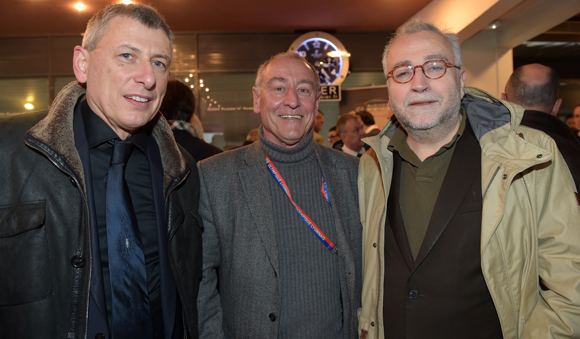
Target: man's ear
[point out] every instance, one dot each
(504, 97)
(256, 100)
(556, 107)
(81, 64)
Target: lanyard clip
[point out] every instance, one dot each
(335, 250)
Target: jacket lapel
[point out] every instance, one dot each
(394, 216)
(464, 167)
(254, 178)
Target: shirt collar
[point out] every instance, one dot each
(98, 132)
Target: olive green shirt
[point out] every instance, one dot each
(421, 183)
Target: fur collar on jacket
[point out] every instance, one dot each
(56, 135)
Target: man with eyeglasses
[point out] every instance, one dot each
(470, 224)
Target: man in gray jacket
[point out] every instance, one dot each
(282, 234)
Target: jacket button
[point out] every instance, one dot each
(375, 245)
(372, 323)
(77, 261)
(72, 181)
(100, 336)
(272, 317)
(539, 156)
(413, 294)
(504, 176)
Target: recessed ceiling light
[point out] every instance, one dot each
(28, 106)
(79, 6)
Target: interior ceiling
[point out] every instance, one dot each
(59, 17)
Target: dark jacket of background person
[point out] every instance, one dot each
(568, 143)
(45, 251)
(198, 148)
(240, 244)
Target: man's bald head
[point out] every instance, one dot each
(534, 87)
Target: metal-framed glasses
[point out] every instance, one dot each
(433, 69)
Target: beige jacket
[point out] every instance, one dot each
(530, 229)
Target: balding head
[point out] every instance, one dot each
(534, 87)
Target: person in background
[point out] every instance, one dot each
(282, 233)
(351, 131)
(252, 137)
(535, 87)
(99, 231)
(369, 123)
(178, 107)
(576, 115)
(333, 137)
(569, 119)
(470, 221)
(318, 121)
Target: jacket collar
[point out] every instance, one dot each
(56, 136)
(494, 123)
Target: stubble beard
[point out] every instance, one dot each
(436, 130)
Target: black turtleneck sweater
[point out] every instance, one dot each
(309, 273)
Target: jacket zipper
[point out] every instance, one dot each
(32, 143)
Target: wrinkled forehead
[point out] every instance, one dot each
(288, 70)
(417, 48)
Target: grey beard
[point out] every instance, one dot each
(441, 129)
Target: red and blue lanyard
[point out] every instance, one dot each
(311, 224)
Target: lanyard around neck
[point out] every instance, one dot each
(305, 218)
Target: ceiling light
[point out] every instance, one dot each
(79, 6)
(28, 106)
(200, 85)
(190, 75)
(201, 81)
(126, 2)
(191, 86)
(186, 79)
(207, 89)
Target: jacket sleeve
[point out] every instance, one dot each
(556, 314)
(208, 303)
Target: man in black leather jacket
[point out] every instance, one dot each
(51, 272)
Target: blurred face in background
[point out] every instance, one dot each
(318, 121)
(352, 133)
(333, 137)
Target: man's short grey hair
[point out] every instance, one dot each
(542, 96)
(290, 55)
(98, 25)
(416, 26)
(343, 119)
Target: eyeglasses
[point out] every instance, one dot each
(433, 69)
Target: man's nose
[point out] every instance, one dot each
(420, 81)
(291, 99)
(146, 75)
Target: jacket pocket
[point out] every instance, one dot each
(25, 268)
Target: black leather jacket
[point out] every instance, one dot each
(45, 255)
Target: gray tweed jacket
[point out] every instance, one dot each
(239, 243)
